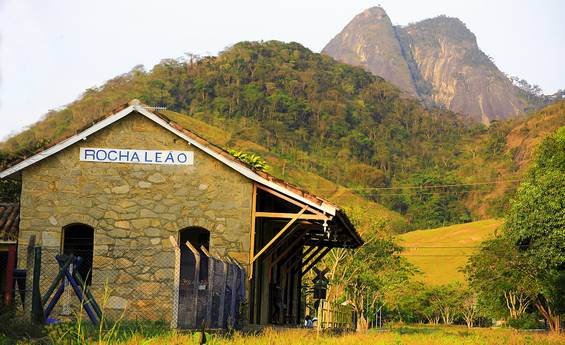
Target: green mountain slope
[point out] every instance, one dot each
(321, 124)
(366, 211)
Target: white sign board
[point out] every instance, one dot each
(107, 155)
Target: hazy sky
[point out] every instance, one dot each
(52, 50)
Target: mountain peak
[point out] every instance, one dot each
(376, 11)
(436, 59)
(445, 26)
(370, 41)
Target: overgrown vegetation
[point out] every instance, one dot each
(523, 269)
(251, 159)
(317, 115)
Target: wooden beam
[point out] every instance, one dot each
(307, 260)
(322, 254)
(205, 251)
(192, 249)
(279, 234)
(253, 219)
(292, 201)
(291, 215)
(292, 258)
(298, 242)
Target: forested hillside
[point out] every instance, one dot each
(315, 119)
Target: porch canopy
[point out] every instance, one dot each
(288, 239)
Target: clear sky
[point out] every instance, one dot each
(52, 50)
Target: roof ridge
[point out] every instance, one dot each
(266, 175)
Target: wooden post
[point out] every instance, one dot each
(233, 295)
(253, 219)
(223, 295)
(210, 287)
(176, 284)
(196, 280)
(9, 289)
(30, 262)
(36, 306)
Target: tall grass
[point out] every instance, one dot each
(436, 335)
(108, 331)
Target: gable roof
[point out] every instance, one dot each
(216, 152)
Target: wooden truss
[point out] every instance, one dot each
(312, 214)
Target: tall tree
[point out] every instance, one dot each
(536, 226)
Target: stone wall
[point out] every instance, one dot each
(134, 208)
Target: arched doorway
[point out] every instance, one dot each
(78, 239)
(193, 275)
(197, 236)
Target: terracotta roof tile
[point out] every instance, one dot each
(297, 190)
(9, 221)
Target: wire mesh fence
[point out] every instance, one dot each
(184, 288)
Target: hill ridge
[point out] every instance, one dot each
(322, 123)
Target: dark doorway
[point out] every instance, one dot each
(78, 239)
(3, 269)
(197, 236)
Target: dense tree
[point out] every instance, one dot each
(364, 276)
(536, 226)
(315, 112)
(503, 281)
(525, 264)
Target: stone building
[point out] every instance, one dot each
(127, 192)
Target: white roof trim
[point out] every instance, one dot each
(324, 207)
(67, 142)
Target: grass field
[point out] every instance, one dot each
(440, 253)
(420, 335)
(394, 334)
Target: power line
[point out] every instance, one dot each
(436, 255)
(437, 186)
(456, 247)
(418, 186)
(430, 193)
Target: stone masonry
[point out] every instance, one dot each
(134, 209)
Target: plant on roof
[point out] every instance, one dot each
(253, 160)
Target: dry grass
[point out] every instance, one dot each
(440, 253)
(405, 335)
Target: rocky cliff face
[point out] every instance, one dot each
(369, 41)
(436, 59)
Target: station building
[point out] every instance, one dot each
(132, 188)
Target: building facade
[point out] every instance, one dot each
(126, 193)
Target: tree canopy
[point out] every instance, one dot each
(526, 263)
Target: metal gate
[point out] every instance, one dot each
(211, 290)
